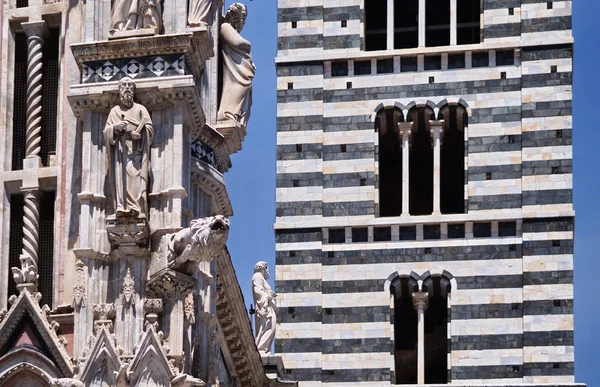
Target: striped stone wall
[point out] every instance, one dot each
(511, 318)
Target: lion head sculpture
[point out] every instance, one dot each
(200, 242)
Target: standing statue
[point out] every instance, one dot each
(265, 320)
(135, 14)
(199, 12)
(128, 135)
(238, 68)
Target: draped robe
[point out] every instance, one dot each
(266, 313)
(199, 12)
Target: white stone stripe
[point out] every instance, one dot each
(300, 109)
(299, 299)
(488, 357)
(301, 360)
(356, 330)
(349, 137)
(348, 194)
(494, 187)
(487, 326)
(494, 158)
(308, 271)
(548, 210)
(300, 137)
(348, 166)
(487, 296)
(344, 361)
(303, 28)
(548, 262)
(552, 380)
(494, 129)
(547, 94)
(548, 292)
(547, 38)
(299, 166)
(344, 300)
(540, 10)
(548, 323)
(335, 28)
(500, 16)
(547, 123)
(301, 82)
(548, 153)
(546, 182)
(299, 4)
(299, 194)
(298, 246)
(458, 268)
(504, 382)
(558, 353)
(303, 330)
(563, 65)
(353, 384)
(544, 236)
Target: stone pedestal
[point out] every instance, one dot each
(127, 232)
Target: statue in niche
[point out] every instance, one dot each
(265, 320)
(134, 15)
(199, 13)
(238, 68)
(128, 135)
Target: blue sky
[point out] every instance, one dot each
(251, 181)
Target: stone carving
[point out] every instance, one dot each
(170, 285)
(188, 309)
(266, 310)
(79, 288)
(199, 12)
(27, 275)
(238, 68)
(150, 366)
(102, 366)
(200, 242)
(66, 382)
(103, 315)
(129, 295)
(153, 307)
(128, 135)
(130, 15)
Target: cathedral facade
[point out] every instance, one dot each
(117, 122)
(424, 216)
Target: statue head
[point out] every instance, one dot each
(126, 91)
(236, 16)
(262, 267)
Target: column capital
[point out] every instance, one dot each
(35, 29)
(420, 301)
(405, 129)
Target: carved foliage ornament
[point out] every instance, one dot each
(129, 295)
(79, 296)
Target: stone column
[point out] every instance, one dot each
(390, 24)
(421, 302)
(421, 23)
(26, 277)
(36, 32)
(405, 131)
(453, 23)
(436, 134)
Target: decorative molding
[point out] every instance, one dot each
(127, 231)
(128, 295)
(134, 68)
(212, 181)
(79, 296)
(153, 307)
(169, 284)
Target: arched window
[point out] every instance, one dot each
(452, 165)
(421, 162)
(436, 330)
(390, 161)
(405, 330)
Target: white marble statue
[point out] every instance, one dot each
(135, 14)
(199, 12)
(265, 320)
(128, 135)
(238, 68)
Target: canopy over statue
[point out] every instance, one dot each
(128, 134)
(238, 68)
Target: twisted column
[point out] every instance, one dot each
(27, 275)
(36, 31)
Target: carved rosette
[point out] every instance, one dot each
(170, 285)
(79, 296)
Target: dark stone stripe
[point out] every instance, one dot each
(366, 207)
(299, 14)
(547, 307)
(541, 138)
(437, 254)
(291, 124)
(307, 179)
(547, 79)
(484, 311)
(422, 90)
(547, 247)
(547, 369)
(298, 235)
(341, 41)
(546, 52)
(299, 208)
(556, 23)
(299, 69)
(499, 172)
(371, 345)
(548, 224)
(339, 180)
(493, 144)
(547, 109)
(346, 123)
(355, 375)
(303, 374)
(502, 114)
(499, 4)
(357, 314)
(494, 202)
(341, 13)
(551, 338)
(298, 345)
(484, 372)
(297, 42)
(309, 151)
(299, 95)
(502, 30)
(301, 257)
(353, 152)
(298, 286)
(548, 277)
(483, 342)
(531, 168)
(557, 196)
(299, 314)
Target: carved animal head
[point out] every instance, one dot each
(201, 242)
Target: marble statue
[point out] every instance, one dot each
(199, 12)
(238, 68)
(135, 14)
(266, 310)
(128, 135)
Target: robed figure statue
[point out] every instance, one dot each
(128, 135)
(135, 14)
(238, 68)
(265, 321)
